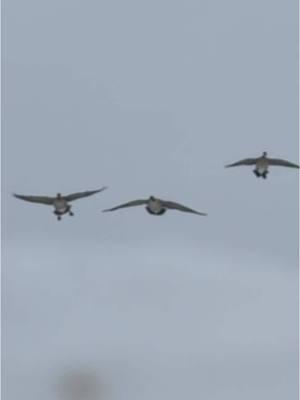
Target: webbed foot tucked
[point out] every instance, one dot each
(264, 175)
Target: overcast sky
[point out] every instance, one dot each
(151, 98)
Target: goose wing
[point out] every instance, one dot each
(36, 199)
(133, 203)
(282, 163)
(80, 195)
(176, 206)
(246, 161)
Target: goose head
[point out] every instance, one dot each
(58, 195)
(265, 154)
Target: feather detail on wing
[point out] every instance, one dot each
(246, 161)
(176, 206)
(36, 199)
(129, 204)
(81, 195)
(281, 163)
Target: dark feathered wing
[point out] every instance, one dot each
(282, 163)
(81, 195)
(36, 199)
(176, 206)
(246, 161)
(129, 204)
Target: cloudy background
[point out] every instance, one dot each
(150, 98)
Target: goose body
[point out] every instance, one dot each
(156, 206)
(60, 203)
(262, 164)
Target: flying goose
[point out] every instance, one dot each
(262, 164)
(60, 203)
(156, 206)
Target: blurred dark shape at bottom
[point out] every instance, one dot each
(80, 384)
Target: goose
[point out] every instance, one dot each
(262, 164)
(156, 206)
(60, 203)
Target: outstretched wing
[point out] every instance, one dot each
(36, 199)
(80, 195)
(282, 163)
(246, 161)
(176, 206)
(129, 204)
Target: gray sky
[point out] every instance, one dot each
(151, 98)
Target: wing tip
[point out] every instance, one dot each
(100, 190)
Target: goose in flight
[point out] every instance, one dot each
(262, 164)
(156, 206)
(60, 203)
